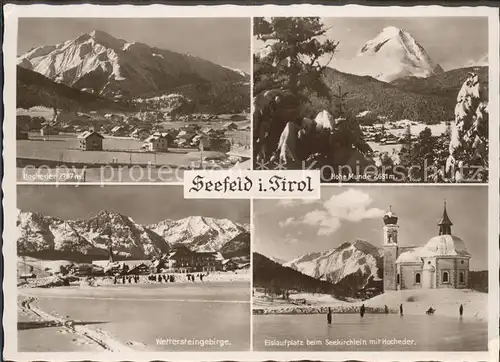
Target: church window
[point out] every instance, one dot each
(417, 278)
(446, 277)
(462, 278)
(397, 278)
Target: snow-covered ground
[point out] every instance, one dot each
(47, 113)
(415, 302)
(445, 301)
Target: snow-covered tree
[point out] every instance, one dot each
(468, 149)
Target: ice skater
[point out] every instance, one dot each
(329, 316)
(401, 309)
(461, 310)
(386, 310)
(362, 311)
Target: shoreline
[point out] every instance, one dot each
(98, 337)
(446, 303)
(180, 279)
(318, 310)
(336, 310)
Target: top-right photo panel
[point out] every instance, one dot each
(372, 100)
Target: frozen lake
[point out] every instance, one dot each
(375, 332)
(145, 314)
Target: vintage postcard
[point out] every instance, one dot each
(251, 183)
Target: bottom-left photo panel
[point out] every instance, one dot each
(131, 268)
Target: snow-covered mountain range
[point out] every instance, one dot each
(102, 64)
(357, 261)
(394, 54)
(50, 235)
(198, 232)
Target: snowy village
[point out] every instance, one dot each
(85, 264)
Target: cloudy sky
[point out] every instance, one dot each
(144, 204)
(286, 229)
(225, 41)
(451, 42)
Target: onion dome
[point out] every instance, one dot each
(390, 218)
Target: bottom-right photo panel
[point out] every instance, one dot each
(391, 268)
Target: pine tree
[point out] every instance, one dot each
(295, 47)
(468, 147)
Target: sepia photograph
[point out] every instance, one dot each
(131, 99)
(372, 99)
(116, 269)
(372, 269)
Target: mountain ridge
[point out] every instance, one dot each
(358, 261)
(427, 100)
(114, 68)
(37, 233)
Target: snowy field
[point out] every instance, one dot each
(136, 317)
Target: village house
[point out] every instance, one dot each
(209, 131)
(230, 126)
(158, 142)
(90, 141)
(116, 269)
(184, 138)
(119, 131)
(140, 269)
(228, 265)
(182, 260)
(48, 130)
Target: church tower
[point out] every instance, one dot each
(390, 229)
(445, 223)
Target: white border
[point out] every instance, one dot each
(12, 12)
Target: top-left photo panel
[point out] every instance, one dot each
(108, 100)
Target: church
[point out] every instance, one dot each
(443, 262)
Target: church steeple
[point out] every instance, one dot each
(390, 228)
(445, 223)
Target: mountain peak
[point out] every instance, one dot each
(393, 54)
(391, 31)
(99, 34)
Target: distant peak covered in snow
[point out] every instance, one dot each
(113, 67)
(392, 54)
(353, 259)
(37, 233)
